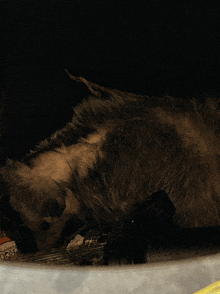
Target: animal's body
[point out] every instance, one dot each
(116, 152)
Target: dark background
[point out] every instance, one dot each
(149, 47)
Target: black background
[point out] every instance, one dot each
(149, 47)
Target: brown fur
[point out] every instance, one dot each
(115, 153)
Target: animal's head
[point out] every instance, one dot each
(38, 205)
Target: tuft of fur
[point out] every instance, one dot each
(117, 151)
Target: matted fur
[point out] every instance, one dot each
(116, 152)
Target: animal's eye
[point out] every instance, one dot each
(45, 226)
(54, 209)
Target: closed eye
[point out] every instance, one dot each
(44, 226)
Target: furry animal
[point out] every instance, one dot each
(117, 151)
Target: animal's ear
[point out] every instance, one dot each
(3, 186)
(2, 192)
(6, 210)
